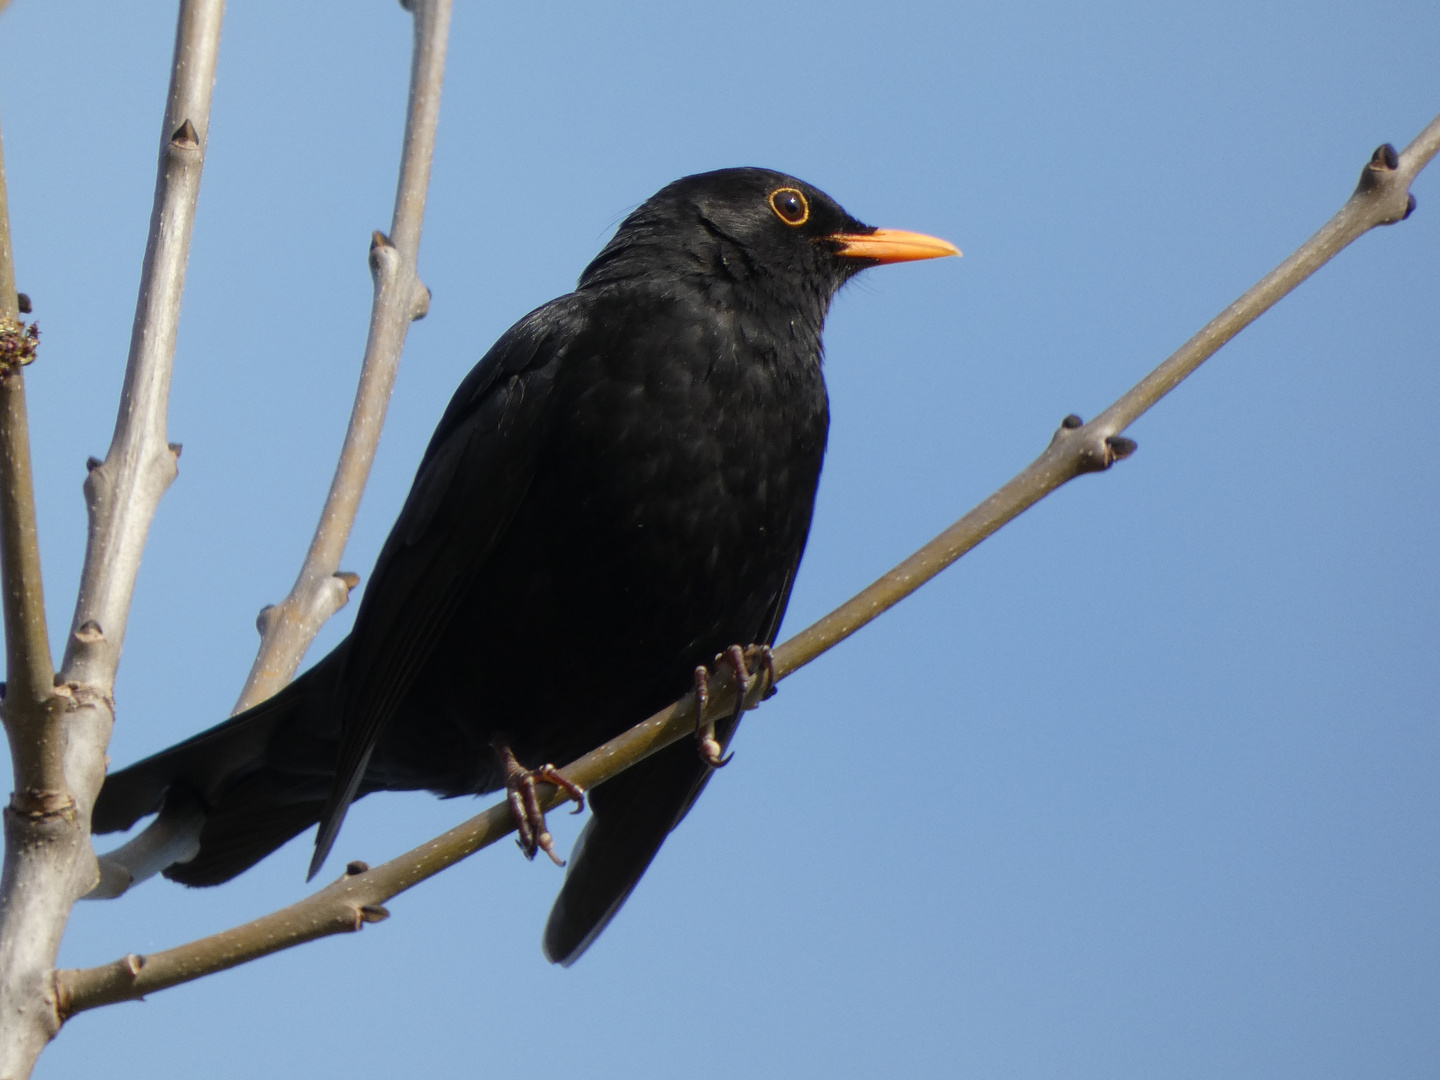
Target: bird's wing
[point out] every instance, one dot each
(632, 815)
(474, 474)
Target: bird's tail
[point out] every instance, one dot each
(260, 778)
(630, 817)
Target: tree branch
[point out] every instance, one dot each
(1382, 197)
(40, 824)
(288, 627)
(48, 861)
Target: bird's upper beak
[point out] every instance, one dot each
(893, 245)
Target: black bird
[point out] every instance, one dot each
(619, 491)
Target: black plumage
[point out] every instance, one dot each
(618, 491)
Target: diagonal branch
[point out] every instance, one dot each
(288, 627)
(49, 862)
(1381, 198)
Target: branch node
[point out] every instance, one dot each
(349, 580)
(134, 962)
(89, 632)
(355, 866)
(420, 303)
(92, 463)
(185, 137)
(175, 448)
(36, 805)
(19, 343)
(264, 619)
(384, 258)
(1382, 180)
(1118, 448)
(22, 303)
(1071, 422)
(370, 913)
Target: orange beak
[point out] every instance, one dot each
(893, 245)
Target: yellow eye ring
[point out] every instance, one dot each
(790, 206)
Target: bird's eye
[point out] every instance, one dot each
(790, 205)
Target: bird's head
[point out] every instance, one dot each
(758, 229)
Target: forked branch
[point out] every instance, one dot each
(1382, 197)
(48, 859)
(287, 628)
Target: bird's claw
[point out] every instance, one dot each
(709, 745)
(524, 802)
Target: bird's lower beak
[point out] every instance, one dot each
(893, 245)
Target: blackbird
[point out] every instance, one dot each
(619, 491)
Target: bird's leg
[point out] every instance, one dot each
(744, 680)
(525, 803)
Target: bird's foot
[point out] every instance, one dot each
(525, 802)
(735, 656)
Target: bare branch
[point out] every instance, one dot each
(288, 627)
(1077, 448)
(48, 860)
(36, 741)
(1381, 198)
(40, 823)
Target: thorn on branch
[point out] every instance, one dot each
(349, 580)
(176, 448)
(185, 137)
(262, 620)
(92, 463)
(355, 866)
(135, 963)
(1071, 422)
(373, 913)
(379, 240)
(23, 303)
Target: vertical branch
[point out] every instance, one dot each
(35, 744)
(40, 828)
(288, 627)
(48, 862)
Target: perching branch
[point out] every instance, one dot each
(1382, 197)
(288, 627)
(49, 862)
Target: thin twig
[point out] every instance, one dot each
(42, 882)
(346, 905)
(287, 628)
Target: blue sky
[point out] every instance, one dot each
(1147, 785)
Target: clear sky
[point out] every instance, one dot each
(1146, 786)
